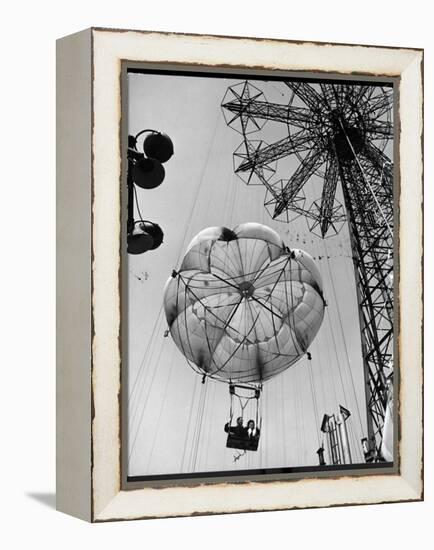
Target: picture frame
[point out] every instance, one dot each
(91, 152)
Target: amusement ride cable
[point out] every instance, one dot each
(199, 425)
(162, 404)
(315, 405)
(344, 341)
(366, 180)
(190, 413)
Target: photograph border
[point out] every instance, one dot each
(267, 474)
(90, 87)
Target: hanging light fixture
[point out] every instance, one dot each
(158, 146)
(145, 170)
(145, 236)
(148, 173)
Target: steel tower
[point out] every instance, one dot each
(341, 133)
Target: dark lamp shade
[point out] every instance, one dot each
(148, 173)
(158, 146)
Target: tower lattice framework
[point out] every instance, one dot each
(341, 134)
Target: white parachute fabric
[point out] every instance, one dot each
(243, 307)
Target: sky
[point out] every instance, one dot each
(175, 423)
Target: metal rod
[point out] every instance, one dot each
(130, 183)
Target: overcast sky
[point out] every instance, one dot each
(175, 422)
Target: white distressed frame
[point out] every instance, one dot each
(106, 499)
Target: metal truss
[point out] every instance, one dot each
(339, 133)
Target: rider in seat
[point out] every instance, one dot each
(252, 431)
(238, 430)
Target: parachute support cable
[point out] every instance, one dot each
(145, 403)
(338, 363)
(227, 260)
(258, 417)
(353, 447)
(357, 444)
(195, 442)
(141, 383)
(265, 433)
(185, 316)
(234, 189)
(204, 408)
(145, 354)
(194, 436)
(190, 413)
(162, 405)
(366, 180)
(298, 424)
(314, 401)
(273, 320)
(328, 346)
(236, 349)
(292, 328)
(231, 410)
(283, 419)
(256, 332)
(200, 416)
(252, 255)
(197, 193)
(344, 341)
(207, 308)
(294, 338)
(302, 415)
(326, 254)
(320, 370)
(211, 351)
(329, 336)
(271, 292)
(210, 430)
(232, 281)
(265, 267)
(232, 355)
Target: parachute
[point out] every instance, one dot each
(243, 307)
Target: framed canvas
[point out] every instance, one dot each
(239, 259)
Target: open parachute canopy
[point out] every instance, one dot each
(243, 307)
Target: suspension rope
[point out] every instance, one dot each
(200, 424)
(283, 419)
(190, 413)
(210, 431)
(314, 400)
(330, 325)
(356, 445)
(336, 302)
(296, 412)
(197, 192)
(143, 375)
(366, 179)
(343, 337)
(302, 415)
(162, 405)
(335, 348)
(142, 363)
(195, 431)
(145, 403)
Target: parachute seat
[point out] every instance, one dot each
(242, 443)
(239, 439)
